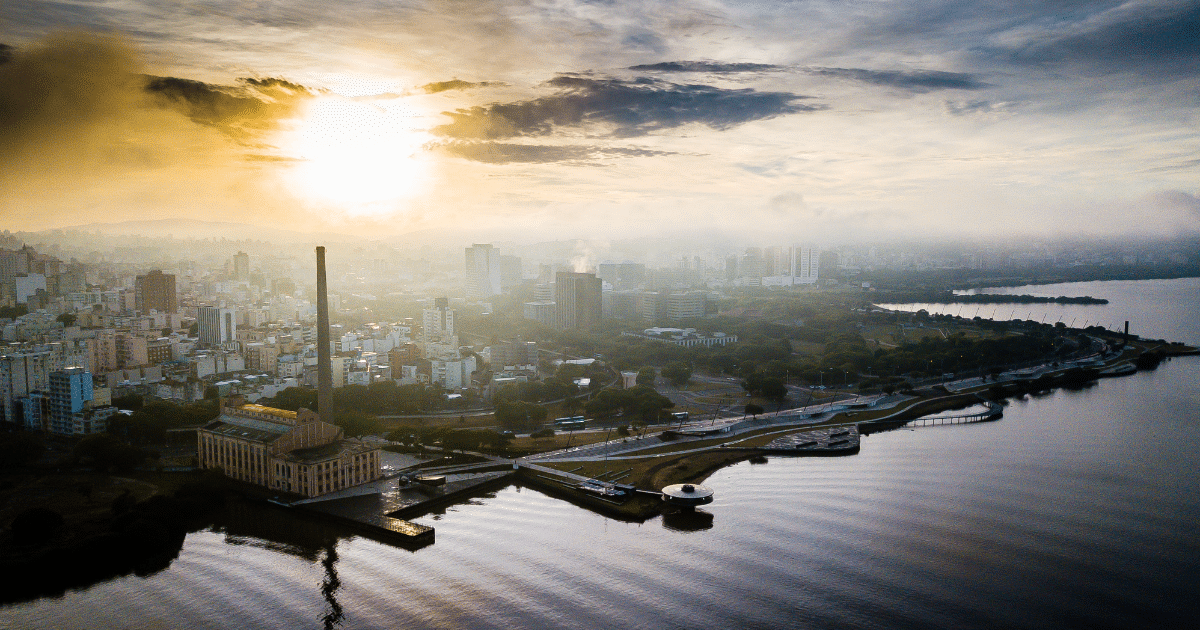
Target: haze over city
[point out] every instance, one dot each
(538, 121)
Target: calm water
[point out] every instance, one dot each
(1076, 510)
(1155, 309)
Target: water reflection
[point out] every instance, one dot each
(334, 615)
(683, 520)
(273, 528)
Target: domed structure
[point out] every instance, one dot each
(687, 495)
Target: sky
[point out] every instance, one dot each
(772, 122)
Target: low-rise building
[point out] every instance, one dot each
(288, 451)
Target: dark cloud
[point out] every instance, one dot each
(507, 153)
(256, 104)
(455, 84)
(626, 108)
(67, 84)
(1160, 38)
(714, 67)
(272, 83)
(911, 80)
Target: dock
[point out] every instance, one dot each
(381, 514)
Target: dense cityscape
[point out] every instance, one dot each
(246, 325)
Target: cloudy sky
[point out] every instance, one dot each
(776, 121)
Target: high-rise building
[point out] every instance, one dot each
(70, 390)
(751, 266)
(541, 311)
(622, 275)
(483, 271)
(217, 326)
(578, 303)
(805, 265)
(514, 355)
(438, 322)
(688, 305)
(155, 291)
(828, 267)
(241, 266)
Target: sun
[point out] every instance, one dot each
(359, 155)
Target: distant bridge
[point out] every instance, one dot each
(993, 412)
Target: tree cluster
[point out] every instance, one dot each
(638, 402)
(150, 422)
(518, 414)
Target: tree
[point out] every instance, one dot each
(104, 451)
(357, 423)
(646, 377)
(678, 372)
(519, 414)
(19, 448)
(130, 402)
(753, 409)
(67, 319)
(36, 525)
(774, 388)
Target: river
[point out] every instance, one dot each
(1078, 509)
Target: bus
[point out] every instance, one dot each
(570, 423)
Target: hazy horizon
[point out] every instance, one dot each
(758, 122)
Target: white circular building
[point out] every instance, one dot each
(687, 495)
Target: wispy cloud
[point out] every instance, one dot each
(508, 153)
(967, 108)
(456, 84)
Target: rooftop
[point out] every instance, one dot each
(264, 432)
(327, 452)
(280, 413)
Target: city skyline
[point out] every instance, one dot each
(628, 119)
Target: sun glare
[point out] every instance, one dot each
(360, 156)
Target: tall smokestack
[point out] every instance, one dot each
(324, 369)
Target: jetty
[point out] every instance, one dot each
(380, 510)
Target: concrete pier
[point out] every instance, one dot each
(381, 515)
